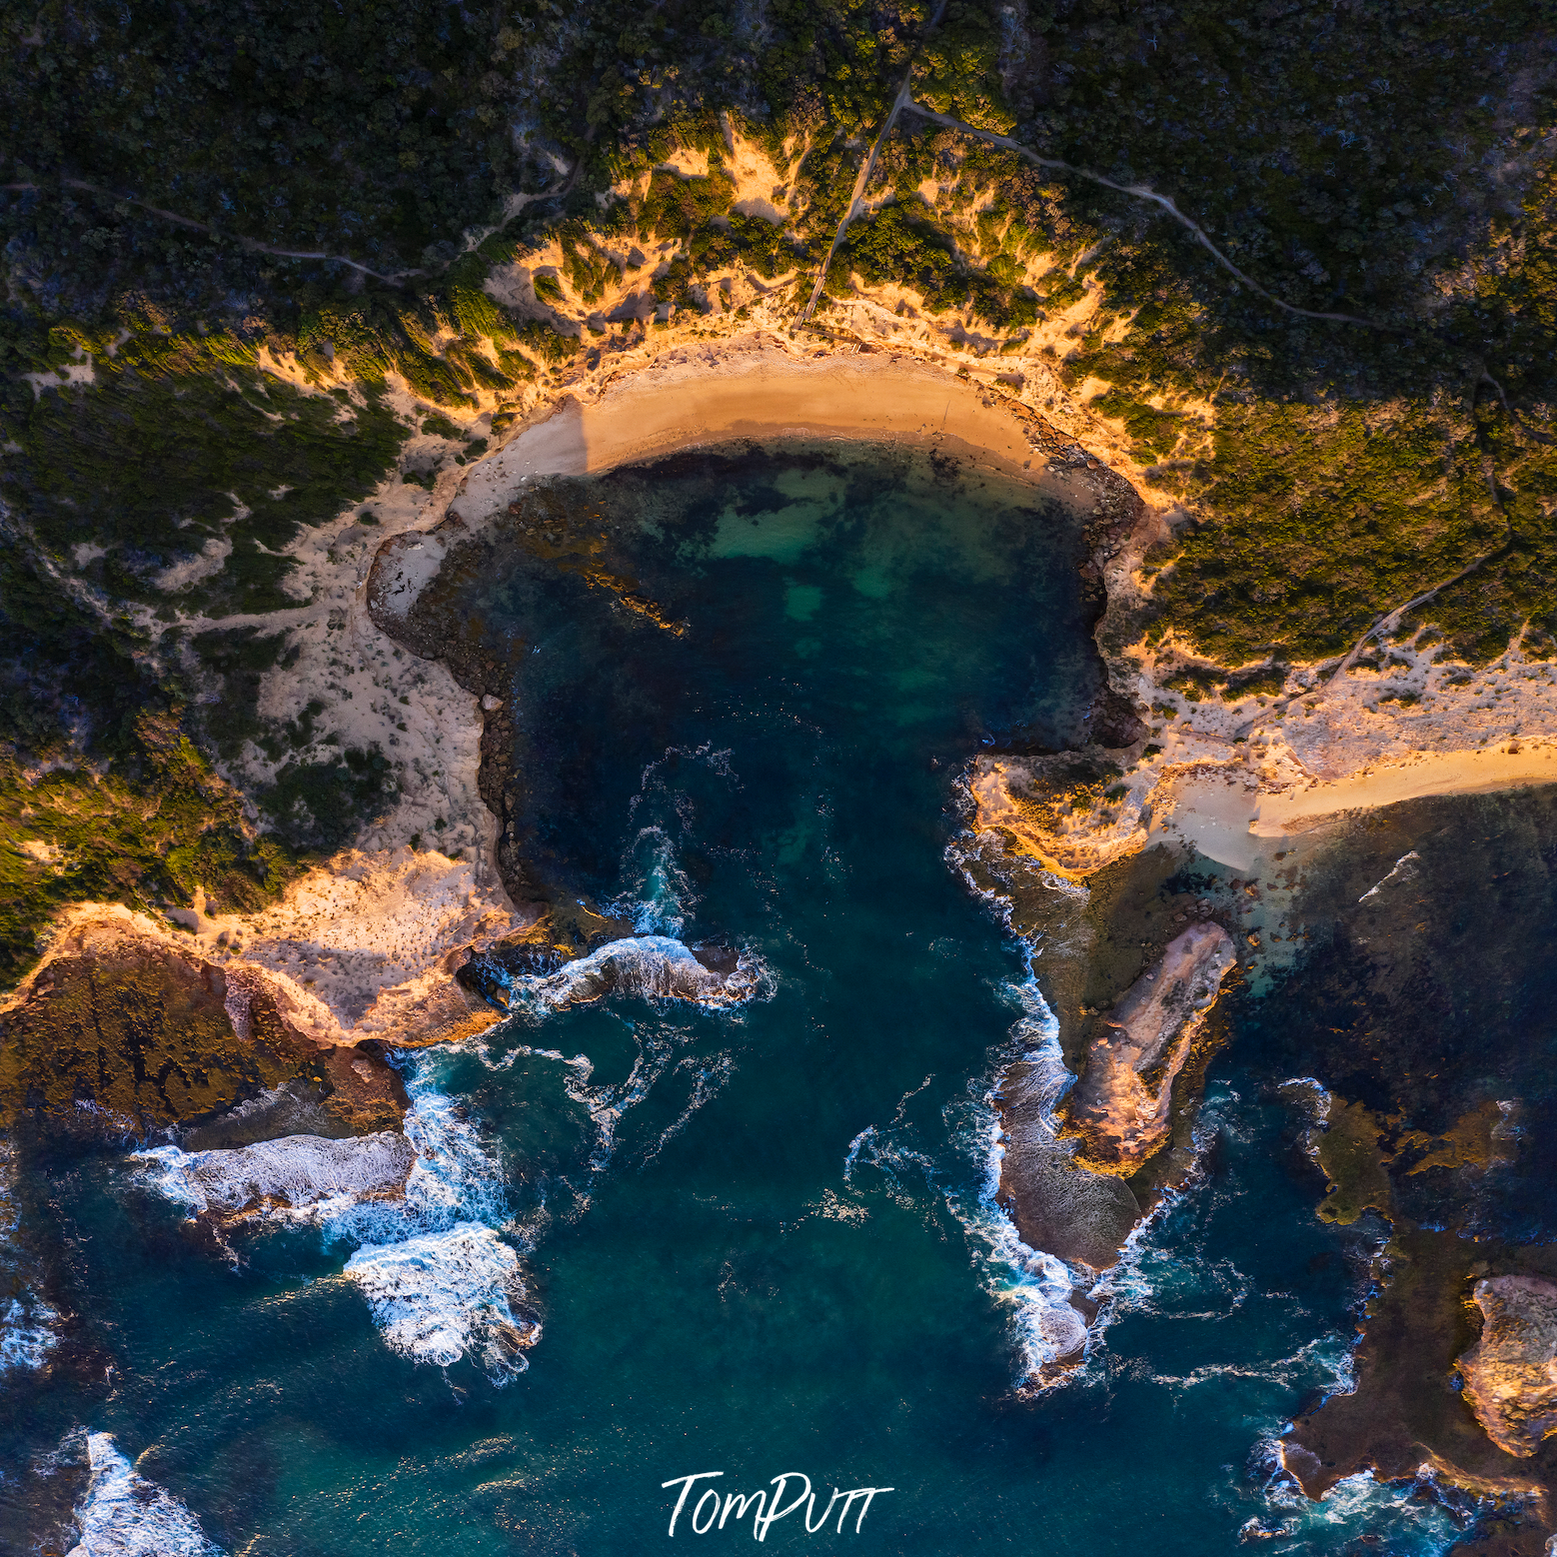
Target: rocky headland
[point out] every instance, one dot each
(394, 943)
(121, 1033)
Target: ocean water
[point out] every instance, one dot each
(739, 1237)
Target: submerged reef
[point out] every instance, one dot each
(1418, 1097)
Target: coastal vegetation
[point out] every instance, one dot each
(247, 260)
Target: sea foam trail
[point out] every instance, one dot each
(124, 1515)
(659, 901)
(1050, 1333)
(298, 1173)
(652, 967)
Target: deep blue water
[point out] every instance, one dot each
(718, 1288)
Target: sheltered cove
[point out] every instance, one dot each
(758, 396)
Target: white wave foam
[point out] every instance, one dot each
(1036, 1038)
(1403, 870)
(458, 1174)
(27, 1335)
(438, 1279)
(27, 1326)
(659, 900)
(653, 967)
(709, 1075)
(439, 1295)
(306, 1174)
(422, 1206)
(1409, 1516)
(1050, 1333)
(124, 1515)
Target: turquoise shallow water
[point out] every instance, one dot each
(758, 1240)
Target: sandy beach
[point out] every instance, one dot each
(1225, 817)
(758, 387)
(1429, 773)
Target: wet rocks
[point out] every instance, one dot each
(1511, 1372)
(653, 967)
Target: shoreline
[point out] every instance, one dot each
(758, 387)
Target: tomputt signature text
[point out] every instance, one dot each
(713, 1509)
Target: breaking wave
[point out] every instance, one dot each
(439, 1296)
(124, 1515)
(423, 1207)
(439, 1280)
(305, 1174)
(652, 967)
(1050, 1333)
(1408, 1519)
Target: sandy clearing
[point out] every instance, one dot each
(1212, 810)
(366, 946)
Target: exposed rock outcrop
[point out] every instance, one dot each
(652, 967)
(1120, 1105)
(121, 1031)
(1511, 1372)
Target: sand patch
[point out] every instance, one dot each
(368, 946)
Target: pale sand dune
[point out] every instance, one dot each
(751, 389)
